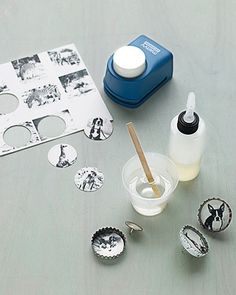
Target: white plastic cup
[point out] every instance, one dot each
(139, 191)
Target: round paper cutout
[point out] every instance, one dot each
(89, 179)
(62, 155)
(98, 128)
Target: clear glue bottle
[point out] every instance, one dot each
(186, 143)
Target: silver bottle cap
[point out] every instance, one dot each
(108, 243)
(193, 241)
(214, 214)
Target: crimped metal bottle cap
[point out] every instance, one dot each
(193, 241)
(108, 243)
(214, 214)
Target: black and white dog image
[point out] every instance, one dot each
(96, 132)
(63, 161)
(42, 95)
(215, 221)
(107, 242)
(89, 181)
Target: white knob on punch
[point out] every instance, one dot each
(129, 61)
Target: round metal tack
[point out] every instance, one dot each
(133, 226)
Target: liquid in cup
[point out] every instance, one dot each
(140, 192)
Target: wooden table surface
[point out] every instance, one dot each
(46, 223)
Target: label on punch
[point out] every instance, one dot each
(153, 49)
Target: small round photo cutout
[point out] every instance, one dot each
(62, 155)
(98, 129)
(89, 179)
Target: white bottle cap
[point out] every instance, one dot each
(129, 61)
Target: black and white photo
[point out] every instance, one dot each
(28, 68)
(3, 86)
(98, 128)
(193, 241)
(41, 96)
(77, 83)
(62, 155)
(214, 215)
(64, 57)
(108, 244)
(89, 179)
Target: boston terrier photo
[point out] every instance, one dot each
(215, 221)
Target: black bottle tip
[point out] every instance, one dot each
(185, 127)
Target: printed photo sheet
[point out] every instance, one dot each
(52, 83)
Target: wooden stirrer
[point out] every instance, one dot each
(142, 159)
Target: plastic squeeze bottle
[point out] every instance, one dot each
(186, 143)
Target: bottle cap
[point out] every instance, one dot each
(108, 243)
(187, 128)
(193, 241)
(214, 214)
(129, 61)
(188, 120)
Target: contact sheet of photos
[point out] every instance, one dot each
(52, 83)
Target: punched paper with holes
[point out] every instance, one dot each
(52, 83)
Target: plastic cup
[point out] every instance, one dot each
(140, 192)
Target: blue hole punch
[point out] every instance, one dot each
(136, 71)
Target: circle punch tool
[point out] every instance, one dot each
(134, 72)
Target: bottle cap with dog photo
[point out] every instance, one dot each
(108, 243)
(214, 214)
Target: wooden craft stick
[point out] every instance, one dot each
(142, 159)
